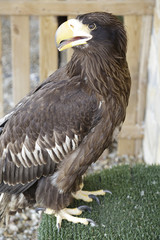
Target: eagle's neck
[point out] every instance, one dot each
(107, 75)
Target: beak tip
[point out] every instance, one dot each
(59, 49)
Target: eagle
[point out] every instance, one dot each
(52, 136)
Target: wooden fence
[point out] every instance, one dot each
(137, 17)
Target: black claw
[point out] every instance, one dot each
(107, 191)
(40, 209)
(58, 227)
(85, 208)
(94, 197)
(92, 223)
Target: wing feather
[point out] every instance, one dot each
(15, 158)
(12, 181)
(47, 126)
(60, 149)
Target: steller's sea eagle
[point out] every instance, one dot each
(52, 136)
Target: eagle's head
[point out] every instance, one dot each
(92, 31)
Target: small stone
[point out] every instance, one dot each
(12, 228)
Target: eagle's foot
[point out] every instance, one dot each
(89, 196)
(67, 213)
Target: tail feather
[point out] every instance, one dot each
(4, 202)
(10, 204)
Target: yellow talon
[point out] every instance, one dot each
(66, 214)
(85, 195)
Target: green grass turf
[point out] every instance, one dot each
(131, 212)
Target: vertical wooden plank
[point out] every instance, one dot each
(20, 56)
(1, 81)
(48, 50)
(143, 66)
(133, 27)
(143, 69)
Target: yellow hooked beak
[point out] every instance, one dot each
(72, 33)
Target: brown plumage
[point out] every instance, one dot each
(51, 137)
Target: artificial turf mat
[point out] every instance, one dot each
(131, 212)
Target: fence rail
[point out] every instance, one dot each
(137, 16)
(57, 8)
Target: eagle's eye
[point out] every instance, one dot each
(92, 26)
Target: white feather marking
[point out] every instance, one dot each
(65, 147)
(73, 145)
(1, 196)
(60, 149)
(28, 154)
(40, 152)
(100, 104)
(68, 142)
(37, 153)
(14, 158)
(23, 151)
(76, 138)
(36, 157)
(50, 152)
(22, 160)
(56, 152)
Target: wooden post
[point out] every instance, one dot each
(133, 27)
(62, 8)
(48, 50)
(143, 70)
(20, 56)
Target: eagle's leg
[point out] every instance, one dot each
(67, 214)
(88, 196)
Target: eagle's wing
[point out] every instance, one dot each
(43, 130)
